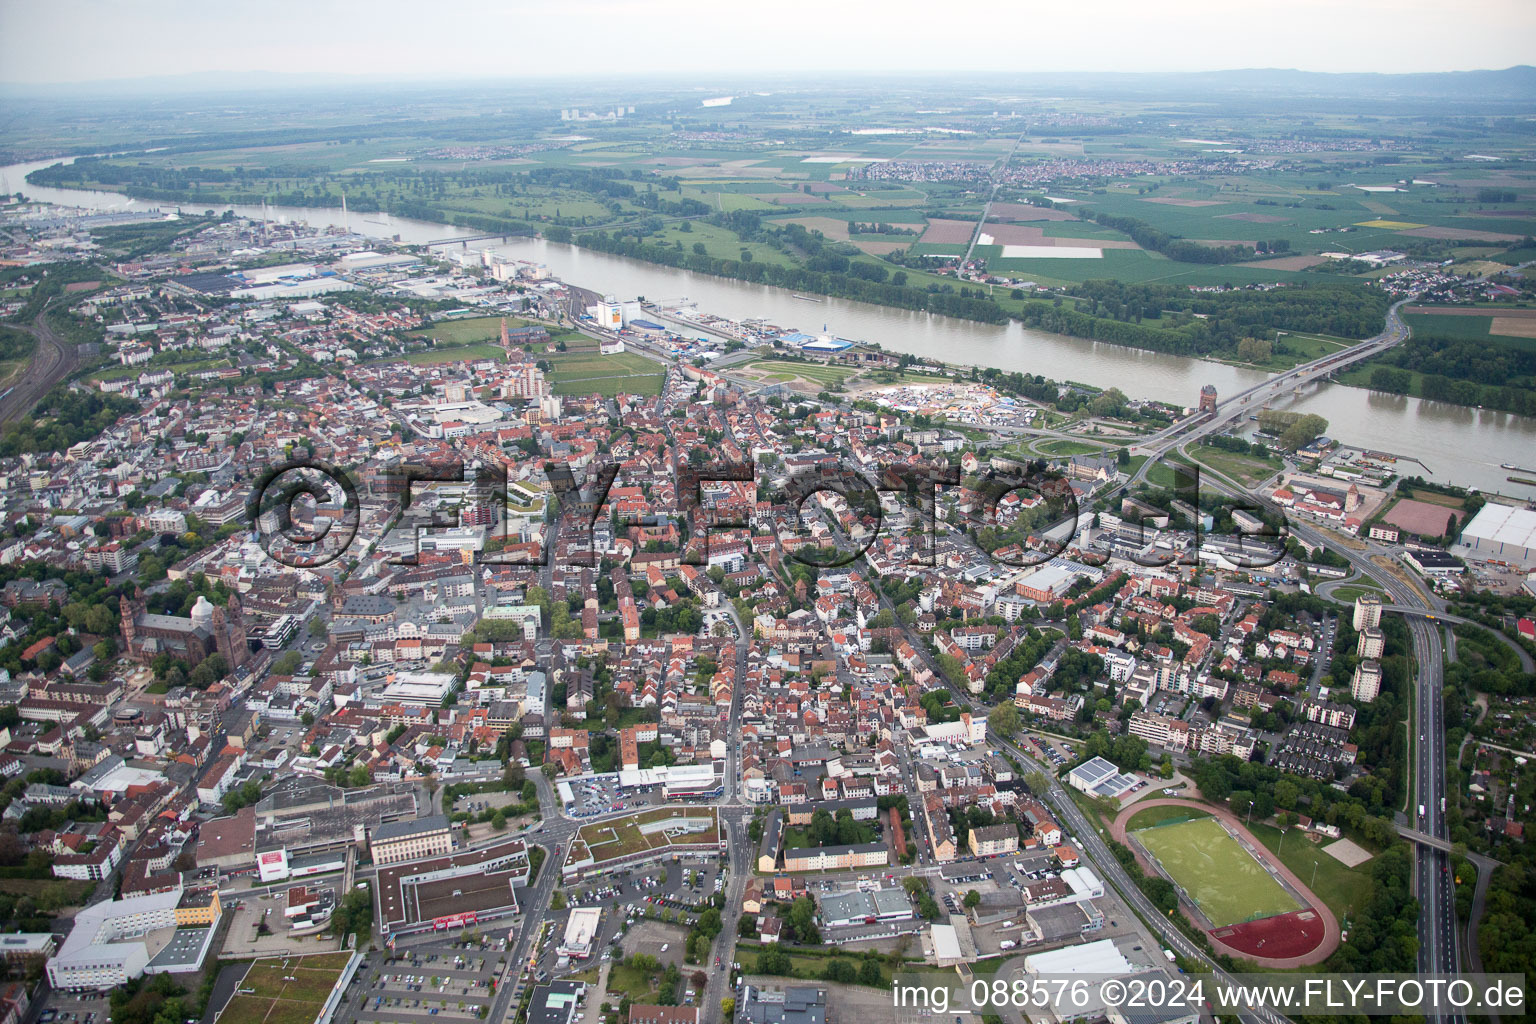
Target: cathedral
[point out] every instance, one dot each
(208, 630)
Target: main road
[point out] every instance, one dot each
(1438, 948)
(1195, 427)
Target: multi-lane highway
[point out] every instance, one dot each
(1257, 396)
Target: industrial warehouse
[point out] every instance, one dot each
(1502, 533)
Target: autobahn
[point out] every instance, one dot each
(1439, 952)
(1438, 948)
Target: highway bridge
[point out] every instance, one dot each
(499, 237)
(1413, 835)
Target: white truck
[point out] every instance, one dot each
(1007, 944)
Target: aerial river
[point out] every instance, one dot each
(1456, 444)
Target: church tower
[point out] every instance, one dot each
(229, 634)
(131, 608)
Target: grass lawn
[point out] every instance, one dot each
(277, 1001)
(1245, 469)
(1151, 817)
(1433, 498)
(467, 331)
(586, 373)
(819, 372)
(621, 837)
(1163, 475)
(798, 839)
(78, 890)
(469, 353)
(1344, 889)
(1349, 592)
(722, 243)
(812, 965)
(1221, 877)
(314, 978)
(1058, 446)
(624, 980)
(1300, 348)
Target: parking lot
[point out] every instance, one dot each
(257, 923)
(663, 941)
(596, 795)
(63, 1008)
(451, 978)
(680, 890)
(601, 794)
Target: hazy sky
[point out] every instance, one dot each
(84, 40)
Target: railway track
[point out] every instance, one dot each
(51, 363)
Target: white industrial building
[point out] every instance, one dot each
(1503, 533)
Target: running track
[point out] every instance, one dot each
(1330, 923)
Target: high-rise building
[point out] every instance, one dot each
(1372, 643)
(525, 380)
(1367, 611)
(1367, 682)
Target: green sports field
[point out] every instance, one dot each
(1221, 877)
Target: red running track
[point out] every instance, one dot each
(1301, 938)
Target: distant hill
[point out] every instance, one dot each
(1508, 84)
(1514, 83)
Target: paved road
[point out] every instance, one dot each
(1108, 866)
(1432, 884)
(1526, 663)
(1254, 398)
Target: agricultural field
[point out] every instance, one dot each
(1222, 878)
(1514, 328)
(894, 194)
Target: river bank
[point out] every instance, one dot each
(1458, 445)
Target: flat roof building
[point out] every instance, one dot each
(396, 841)
(580, 929)
(1502, 532)
(555, 1003)
(1098, 777)
(860, 907)
(115, 941)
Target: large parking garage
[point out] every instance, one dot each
(429, 982)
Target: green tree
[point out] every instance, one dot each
(1004, 720)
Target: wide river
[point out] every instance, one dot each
(1456, 444)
